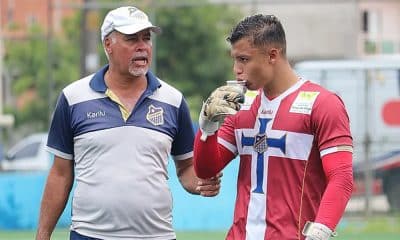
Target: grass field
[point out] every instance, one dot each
(381, 228)
(63, 235)
(373, 228)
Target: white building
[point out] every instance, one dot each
(325, 29)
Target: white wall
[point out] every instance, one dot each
(325, 29)
(318, 31)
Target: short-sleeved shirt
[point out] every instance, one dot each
(121, 189)
(280, 143)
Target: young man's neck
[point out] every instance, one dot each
(285, 78)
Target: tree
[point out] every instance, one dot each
(28, 60)
(192, 53)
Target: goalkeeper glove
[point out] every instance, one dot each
(222, 102)
(317, 231)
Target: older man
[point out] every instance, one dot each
(114, 131)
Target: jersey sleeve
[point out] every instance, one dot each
(339, 173)
(331, 127)
(60, 139)
(226, 134)
(211, 156)
(330, 123)
(182, 145)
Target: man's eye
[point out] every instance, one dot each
(243, 59)
(131, 38)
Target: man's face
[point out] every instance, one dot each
(250, 64)
(132, 53)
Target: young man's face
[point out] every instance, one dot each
(251, 64)
(132, 53)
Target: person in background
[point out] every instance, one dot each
(112, 132)
(294, 142)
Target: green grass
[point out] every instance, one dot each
(377, 228)
(373, 228)
(367, 236)
(63, 234)
(59, 234)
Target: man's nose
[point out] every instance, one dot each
(143, 44)
(237, 70)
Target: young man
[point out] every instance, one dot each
(294, 142)
(113, 131)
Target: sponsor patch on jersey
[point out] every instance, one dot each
(304, 102)
(155, 115)
(248, 99)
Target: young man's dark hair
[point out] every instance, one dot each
(262, 30)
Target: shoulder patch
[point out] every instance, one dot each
(304, 102)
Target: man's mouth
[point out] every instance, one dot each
(242, 82)
(140, 60)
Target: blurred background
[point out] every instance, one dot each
(352, 47)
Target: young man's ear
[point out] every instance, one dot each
(272, 54)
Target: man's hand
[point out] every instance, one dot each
(209, 187)
(222, 102)
(317, 231)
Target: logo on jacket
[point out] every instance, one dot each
(155, 115)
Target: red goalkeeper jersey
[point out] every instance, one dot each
(281, 143)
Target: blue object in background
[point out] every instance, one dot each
(21, 193)
(194, 212)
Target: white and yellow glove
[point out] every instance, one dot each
(317, 231)
(222, 102)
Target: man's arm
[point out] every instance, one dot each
(330, 123)
(55, 196)
(192, 184)
(209, 156)
(339, 173)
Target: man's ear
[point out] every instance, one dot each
(273, 54)
(107, 44)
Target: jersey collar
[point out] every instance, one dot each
(97, 83)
